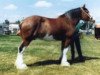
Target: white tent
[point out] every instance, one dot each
(13, 28)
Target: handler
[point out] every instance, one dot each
(76, 41)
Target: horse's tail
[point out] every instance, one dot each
(41, 19)
(19, 31)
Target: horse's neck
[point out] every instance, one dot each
(74, 22)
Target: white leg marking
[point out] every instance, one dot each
(19, 62)
(64, 61)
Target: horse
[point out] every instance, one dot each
(60, 28)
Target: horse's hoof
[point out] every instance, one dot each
(21, 66)
(65, 64)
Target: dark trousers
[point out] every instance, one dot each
(76, 42)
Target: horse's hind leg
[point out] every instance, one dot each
(19, 61)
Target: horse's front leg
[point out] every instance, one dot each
(19, 61)
(65, 47)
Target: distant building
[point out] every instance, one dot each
(13, 28)
(4, 28)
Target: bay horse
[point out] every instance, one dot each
(60, 28)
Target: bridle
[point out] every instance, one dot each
(85, 13)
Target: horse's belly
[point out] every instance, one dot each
(53, 37)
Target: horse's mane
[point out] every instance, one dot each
(73, 13)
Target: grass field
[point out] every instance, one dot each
(41, 57)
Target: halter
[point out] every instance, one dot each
(85, 12)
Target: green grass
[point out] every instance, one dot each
(40, 56)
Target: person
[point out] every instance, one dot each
(76, 41)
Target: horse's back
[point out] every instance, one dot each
(39, 27)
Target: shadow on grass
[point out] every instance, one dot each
(45, 62)
(51, 62)
(86, 58)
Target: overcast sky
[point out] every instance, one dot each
(18, 9)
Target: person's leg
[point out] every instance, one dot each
(78, 48)
(72, 50)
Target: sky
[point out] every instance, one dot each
(18, 9)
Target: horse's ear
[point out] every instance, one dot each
(84, 6)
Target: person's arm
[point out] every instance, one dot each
(79, 25)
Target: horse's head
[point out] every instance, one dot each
(85, 14)
(81, 13)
